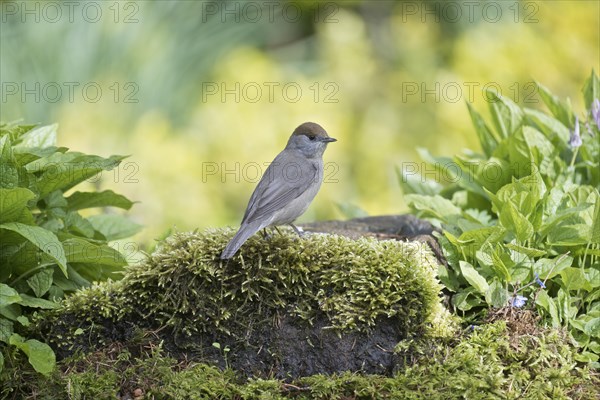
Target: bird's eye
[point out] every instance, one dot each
(311, 137)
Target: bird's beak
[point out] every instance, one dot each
(328, 139)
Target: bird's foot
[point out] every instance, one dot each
(299, 231)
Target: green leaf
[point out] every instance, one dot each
(486, 138)
(561, 110)
(591, 89)
(63, 171)
(592, 327)
(8, 295)
(549, 268)
(9, 176)
(595, 230)
(466, 300)
(13, 202)
(43, 239)
(473, 277)
(506, 114)
(575, 279)
(40, 355)
(41, 282)
(82, 251)
(43, 136)
(107, 198)
(435, 206)
(546, 302)
(496, 295)
(114, 226)
(552, 128)
(1, 362)
(516, 222)
(411, 182)
(528, 251)
(34, 302)
(349, 210)
(23, 320)
(6, 330)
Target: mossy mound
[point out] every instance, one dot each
(487, 362)
(284, 307)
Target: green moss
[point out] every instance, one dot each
(185, 287)
(486, 364)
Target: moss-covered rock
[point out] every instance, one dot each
(488, 362)
(284, 307)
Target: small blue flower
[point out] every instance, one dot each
(596, 112)
(539, 281)
(518, 301)
(575, 139)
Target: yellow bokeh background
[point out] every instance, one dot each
(357, 76)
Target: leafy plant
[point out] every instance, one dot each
(48, 248)
(521, 221)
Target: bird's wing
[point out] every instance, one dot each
(282, 182)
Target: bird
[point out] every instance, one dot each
(287, 187)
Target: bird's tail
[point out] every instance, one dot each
(238, 240)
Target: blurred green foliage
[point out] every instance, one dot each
(398, 74)
(521, 221)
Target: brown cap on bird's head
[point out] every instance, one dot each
(313, 132)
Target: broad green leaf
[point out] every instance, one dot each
(473, 277)
(350, 210)
(40, 355)
(569, 235)
(435, 206)
(575, 279)
(547, 303)
(448, 278)
(561, 110)
(506, 114)
(11, 311)
(82, 251)
(528, 251)
(8, 295)
(496, 295)
(516, 222)
(25, 155)
(443, 168)
(592, 327)
(466, 300)
(78, 225)
(6, 330)
(486, 138)
(114, 226)
(548, 268)
(107, 198)
(535, 139)
(412, 182)
(13, 202)
(552, 128)
(34, 302)
(41, 281)
(63, 171)
(591, 89)
(43, 136)
(43, 239)
(595, 230)
(9, 176)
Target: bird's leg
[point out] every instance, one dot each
(298, 231)
(265, 234)
(277, 229)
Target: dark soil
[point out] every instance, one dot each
(286, 347)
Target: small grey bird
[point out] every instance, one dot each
(288, 186)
